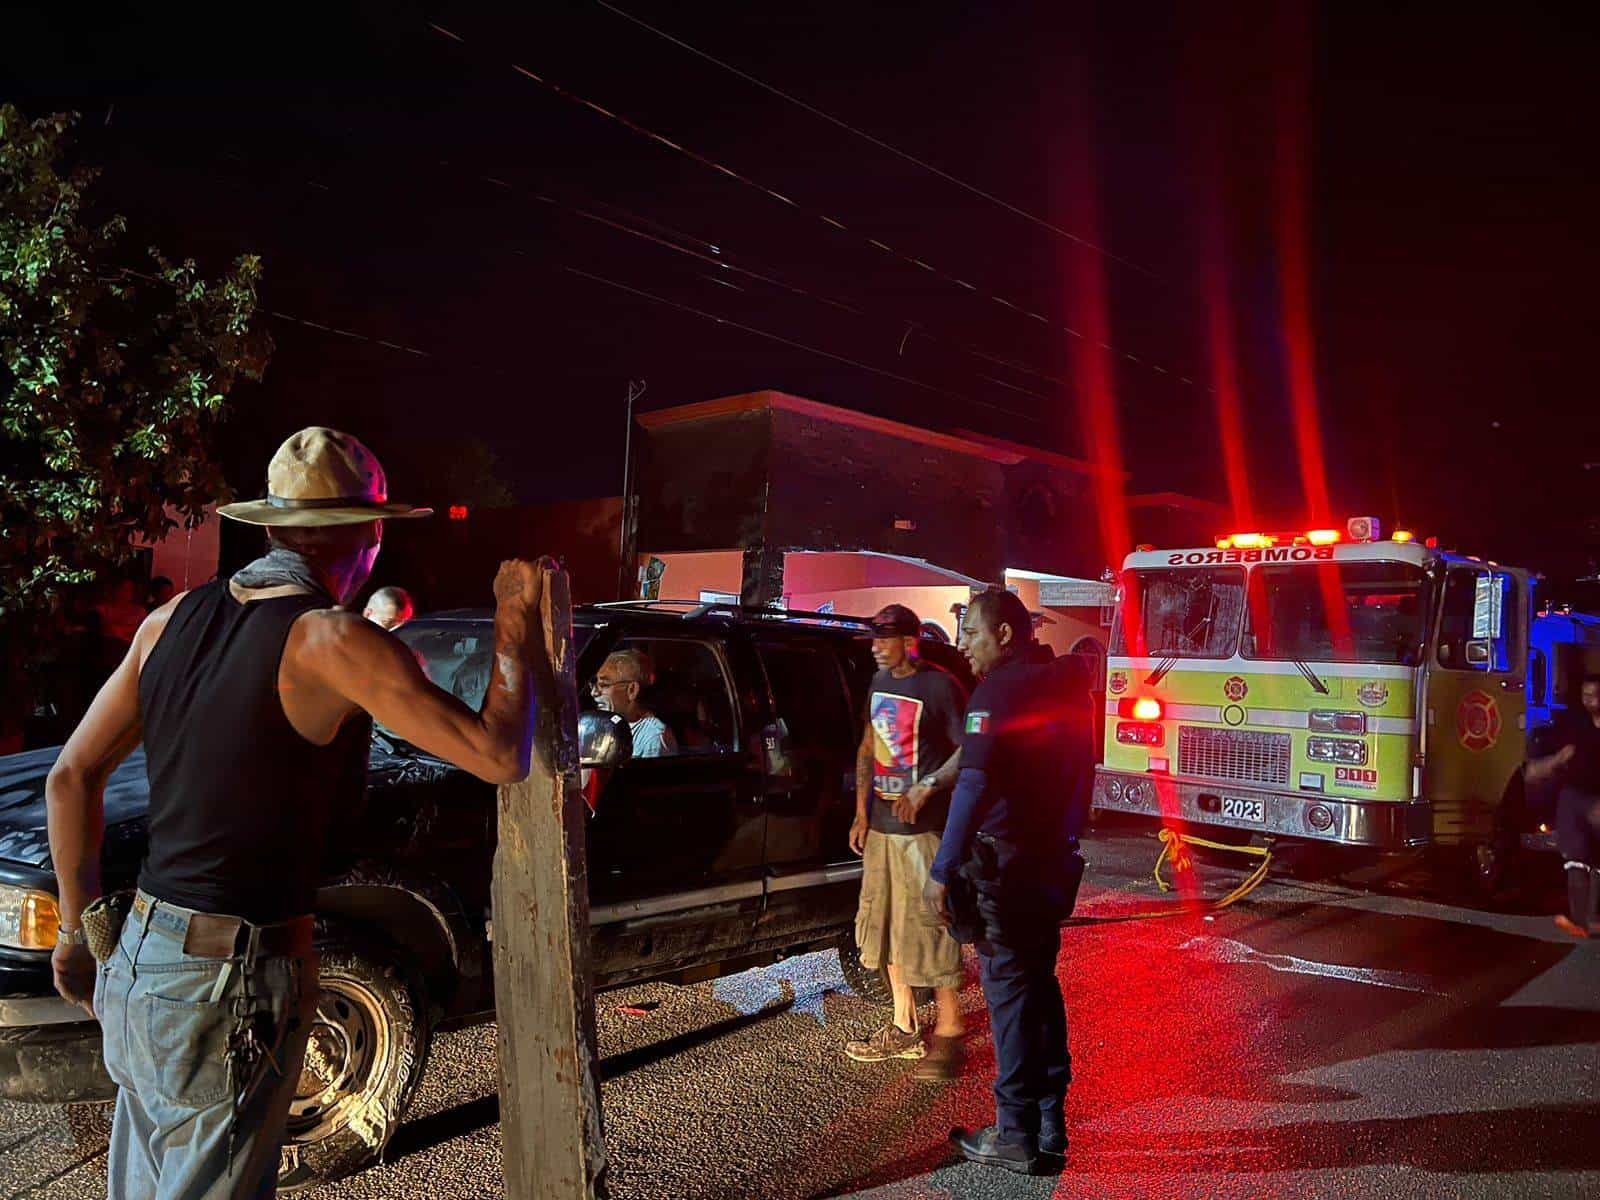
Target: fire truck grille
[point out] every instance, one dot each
(1233, 754)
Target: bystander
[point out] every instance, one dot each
(251, 696)
(905, 766)
(1576, 768)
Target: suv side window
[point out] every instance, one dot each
(691, 693)
(808, 690)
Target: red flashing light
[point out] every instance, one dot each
(1323, 537)
(458, 512)
(1246, 541)
(1145, 708)
(1432, 543)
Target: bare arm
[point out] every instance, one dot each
(75, 801)
(371, 670)
(864, 771)
(75, 789)
(858, 827)
(1539, 770)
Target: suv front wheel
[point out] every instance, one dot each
(365, 1057)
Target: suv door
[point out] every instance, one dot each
(673, 835)
(812, 730)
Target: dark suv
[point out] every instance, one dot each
(729, 854)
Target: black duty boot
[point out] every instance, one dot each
(1052, 1144)
(986, 1147)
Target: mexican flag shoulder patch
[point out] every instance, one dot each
(977, 722)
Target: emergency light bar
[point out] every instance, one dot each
(1356, 529)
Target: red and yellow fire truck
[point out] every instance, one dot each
(1330, 685)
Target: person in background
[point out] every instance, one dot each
(389, 608)
(1027, 751)
(252, 697)
(617, 688)
(1576, 767)
(905, 767)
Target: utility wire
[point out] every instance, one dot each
(881, 144)
(716, 259)
(762, 333)
(721, 169)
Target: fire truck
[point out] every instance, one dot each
(1334, 686)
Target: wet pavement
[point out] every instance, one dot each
(1318, 1039)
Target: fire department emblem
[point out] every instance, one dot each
(1478, 720)
(1374, 694)
(1118, 683)
(1235, 689)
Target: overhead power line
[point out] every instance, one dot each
(779, 338)
(714, 256)
(912, 260)
(965, 185)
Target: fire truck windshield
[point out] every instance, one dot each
(1180, 613)
(1370, 611)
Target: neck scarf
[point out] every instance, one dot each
(279, 567)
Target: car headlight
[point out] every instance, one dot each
(1114, 789)
(29, 919)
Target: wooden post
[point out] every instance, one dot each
(552, 1141)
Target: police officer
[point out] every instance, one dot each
(1008, 869)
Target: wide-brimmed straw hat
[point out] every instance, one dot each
(322, 477)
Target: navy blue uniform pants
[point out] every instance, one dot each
(1579, 843)
(1028, 1020)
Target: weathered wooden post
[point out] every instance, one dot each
(550, 1126)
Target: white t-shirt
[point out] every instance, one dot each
(651, 737)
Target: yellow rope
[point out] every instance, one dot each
(1175, 846)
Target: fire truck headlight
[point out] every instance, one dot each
(1337, 722)
(1336, 750)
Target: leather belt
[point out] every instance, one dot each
(214, 935)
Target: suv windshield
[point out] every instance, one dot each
(458, 655)
(1181, 613)
(1337, 612)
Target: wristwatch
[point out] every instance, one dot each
(68, 936)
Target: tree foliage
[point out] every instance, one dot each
(114, 371)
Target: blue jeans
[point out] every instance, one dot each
(171, 1024)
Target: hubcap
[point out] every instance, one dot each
(349, 1040)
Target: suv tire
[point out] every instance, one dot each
(869, 984)
(365, 1058)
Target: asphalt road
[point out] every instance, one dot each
(1319, 1039)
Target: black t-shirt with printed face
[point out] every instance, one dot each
(916, 725)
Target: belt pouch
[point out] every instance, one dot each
(102, 923)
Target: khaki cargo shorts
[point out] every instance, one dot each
(892, 923)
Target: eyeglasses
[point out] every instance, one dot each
(602, 684)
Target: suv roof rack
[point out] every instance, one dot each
(692, 609)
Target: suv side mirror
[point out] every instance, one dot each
(604, 740)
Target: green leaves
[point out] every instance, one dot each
(114, 371)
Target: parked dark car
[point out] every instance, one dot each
(730, 854)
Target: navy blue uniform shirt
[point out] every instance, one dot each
(1027, 747)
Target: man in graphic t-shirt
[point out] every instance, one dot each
(905, 768)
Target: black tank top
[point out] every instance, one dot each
(240, 804)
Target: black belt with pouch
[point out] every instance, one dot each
(998, 886)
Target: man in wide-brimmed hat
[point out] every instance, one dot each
(252, 696)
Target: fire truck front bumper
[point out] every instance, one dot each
(1379, 824)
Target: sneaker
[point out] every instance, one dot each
(943, 1062)
(889, 1042)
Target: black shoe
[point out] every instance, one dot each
(1052, 1145)
(986, 1147)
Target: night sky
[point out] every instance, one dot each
(410, 187)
